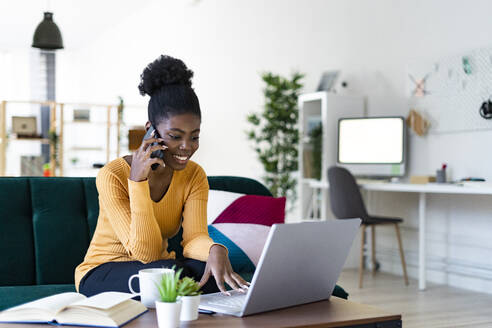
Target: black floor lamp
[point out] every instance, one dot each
(48, 38)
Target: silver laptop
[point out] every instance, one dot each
(300, 263)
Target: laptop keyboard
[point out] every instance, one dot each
(235, 301)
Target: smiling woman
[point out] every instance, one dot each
(141, 208)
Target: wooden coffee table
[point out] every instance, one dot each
(336, 312)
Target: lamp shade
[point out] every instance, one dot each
(47, 35)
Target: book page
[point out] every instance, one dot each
(91, 316)
(51, 303)
(42, 310)
(104, 300)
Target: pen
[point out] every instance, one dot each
(473, 179)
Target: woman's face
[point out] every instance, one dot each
(181, 136)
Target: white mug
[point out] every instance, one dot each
(148, 280)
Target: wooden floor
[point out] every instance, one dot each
(438, 306)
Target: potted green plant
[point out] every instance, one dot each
(275, 133)
(315, 137)
(189, 293)
(168, 308)
(54, 141)
(74, 161)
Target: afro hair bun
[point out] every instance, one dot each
(163, 71)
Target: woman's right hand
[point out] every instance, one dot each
(141, 160)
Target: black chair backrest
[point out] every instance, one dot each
(345, 197)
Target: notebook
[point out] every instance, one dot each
(109, 309)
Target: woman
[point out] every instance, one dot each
(141, 207)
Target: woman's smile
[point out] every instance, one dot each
(181, 159)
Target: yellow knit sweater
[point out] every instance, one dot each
(132, 227)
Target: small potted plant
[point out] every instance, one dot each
(189, 293)
(168, 309)
(74, 161)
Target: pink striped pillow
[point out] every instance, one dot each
(250, 238)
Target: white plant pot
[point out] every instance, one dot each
(189, 307)
(168, 314)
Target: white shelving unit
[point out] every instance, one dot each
(99, 140)
(323, 108)
(80, 143)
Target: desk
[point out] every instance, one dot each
(422, 190)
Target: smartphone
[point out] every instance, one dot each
(158, 153)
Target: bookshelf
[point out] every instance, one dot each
(319, 113)
(80, 142)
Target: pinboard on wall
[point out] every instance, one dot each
(454, 92)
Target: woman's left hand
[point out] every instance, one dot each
(219, 266)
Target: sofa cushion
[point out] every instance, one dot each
(92, 204)
(249, 238)
(238, 184)
(61, 234)
(254, 209)
(218, 201)
(239, 260)
(16, 235)
(340, 292)
(241, 185)
(12, 296)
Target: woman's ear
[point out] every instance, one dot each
(147, 125)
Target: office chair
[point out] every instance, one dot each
(346, 202)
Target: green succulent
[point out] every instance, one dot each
(168, 288)
(188, 287)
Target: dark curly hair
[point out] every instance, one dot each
(167, 81)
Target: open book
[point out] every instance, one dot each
(109, 309)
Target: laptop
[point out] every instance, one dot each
(300, 263)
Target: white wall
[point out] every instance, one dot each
(228, 43)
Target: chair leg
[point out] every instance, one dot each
(373, 248)
(361, 261)
(402, 256)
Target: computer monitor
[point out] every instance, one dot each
(372, 146)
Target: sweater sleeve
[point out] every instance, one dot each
(196, 241)
(131, 215)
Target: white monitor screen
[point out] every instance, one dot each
(371, 140)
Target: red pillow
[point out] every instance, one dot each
(255, 209)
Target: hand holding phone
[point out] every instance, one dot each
(152, 132)
(149, 155)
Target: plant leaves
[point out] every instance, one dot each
(275, 133)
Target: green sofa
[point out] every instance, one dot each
(46, 225)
